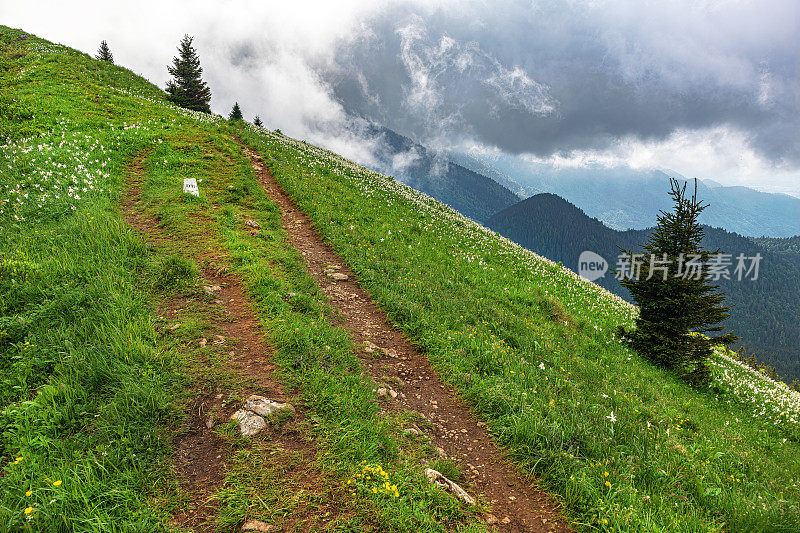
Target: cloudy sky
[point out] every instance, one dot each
(709, 88)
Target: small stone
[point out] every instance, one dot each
(506, 520)
(370, 347)
(383, 392)
(441, 452)
(175, 326)
(203, 343)
(212, 289)
(413, 431)
(438, 479)
(219, 339)
(249, 423)
(392, 393)
(210, 422)
(255, 525)
(266, 407)
(389, 352)
(491, 519)
(338, 276)
(252, 223)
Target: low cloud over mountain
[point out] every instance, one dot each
(709, 89)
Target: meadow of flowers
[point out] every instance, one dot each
(84, 390)
(527, 342)
(532, 346)
(88, 392)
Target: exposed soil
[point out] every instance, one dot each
(517, 504)
(200, 454)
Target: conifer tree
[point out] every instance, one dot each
(236, 112)
(257, 122)
(678, 304)
(187, 89)
(104, 53)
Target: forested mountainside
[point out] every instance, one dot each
(765, 313)
(788, 247)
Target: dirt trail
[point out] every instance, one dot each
(517, 505)
(200, 454)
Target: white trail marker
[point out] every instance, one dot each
(190, 186)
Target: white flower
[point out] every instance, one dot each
(541, 365)
(612, 417)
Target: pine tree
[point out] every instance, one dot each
(236, 112)
(187, 89)
(678, 304)
(104, 53)
(257, 122)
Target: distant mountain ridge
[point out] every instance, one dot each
(482, 167)
(765, 313)
(626, 198)
(466, 191)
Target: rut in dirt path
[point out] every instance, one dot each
(517, 505)
(200, 454)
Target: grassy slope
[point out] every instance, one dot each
(525, 341)
(316, 359)
(531, 346)
(84, 388)
(90, 392)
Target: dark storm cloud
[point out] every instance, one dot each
(705, 87)
(544, 77)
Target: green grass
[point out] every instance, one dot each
(533, 349)
(92, 392)
(89, 392)
(316, 359)
(85, 392)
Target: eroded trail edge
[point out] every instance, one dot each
(407, 381)
(202, 457)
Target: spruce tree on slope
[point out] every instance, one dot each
(257, 122)
(187, 89)
(678, 304)
(104, 53)
(236, 112)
